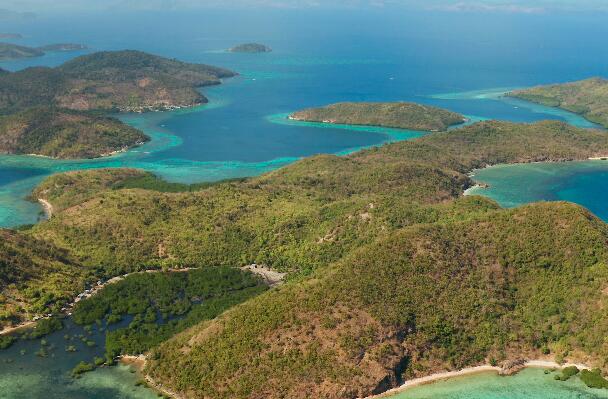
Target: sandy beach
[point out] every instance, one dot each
(469, 371)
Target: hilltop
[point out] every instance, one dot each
(250, 48)
(10, 51)
(10, 36)
(586, 97)
(65, 134)
(392, 274)
(110, 81)
(400, 115)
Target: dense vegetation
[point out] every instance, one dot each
(396, 115)
(35, 277)
(586, 97)
(119, 80)
(10, 51)
(392, 274)
(428, 297)
(65, 134)
(250, 48)
(163, 304)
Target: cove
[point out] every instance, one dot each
(584, 183)
(530, 383)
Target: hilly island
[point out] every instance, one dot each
(59, 112)
(391, 273)
(400, 115)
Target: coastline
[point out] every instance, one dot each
(139, 362)
(537, 363)
(67, 309)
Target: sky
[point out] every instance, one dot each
(24, 8)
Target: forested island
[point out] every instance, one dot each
(250, 48)
(586, 97)
(400, 115)
(58, 112)
(393, 274)
(9, 51)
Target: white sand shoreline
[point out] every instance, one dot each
(539, 363)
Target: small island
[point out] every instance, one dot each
(10, 51)
(400, 115)
(63, 47)
(588, 98)
(250, 48)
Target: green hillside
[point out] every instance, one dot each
(396, 115)
(9, 51)
(65, 134)
(119, 80)
(504, 285)
(392, 273)
(586, 97)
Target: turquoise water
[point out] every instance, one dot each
(529, 383)
(25, 374)
(320, 57)
(585, 183)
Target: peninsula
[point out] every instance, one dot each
(59, 133)
(126, 81)
(9, 51)
(401, 115)
(588, 98)
(397, 275)
(250, 48)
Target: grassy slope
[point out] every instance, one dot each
(423, 299)
(396, 115)
(586, 97)
(64, 134)
(35, 276)
(290, 219)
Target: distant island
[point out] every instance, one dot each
(56, 111)
(9, 51)
(10, 36)
(401, 115)
(63, 47)
(250, 48)
(588, 98)
(65, 134)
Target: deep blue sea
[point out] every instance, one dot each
(460, 61)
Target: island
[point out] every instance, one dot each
(401, 115)
(10, 36)
(588, 98)
(111, 81)
(58, 112)
(392, 273)
(62, 47)
(57, 133)
(10, 52)
(250, 48)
